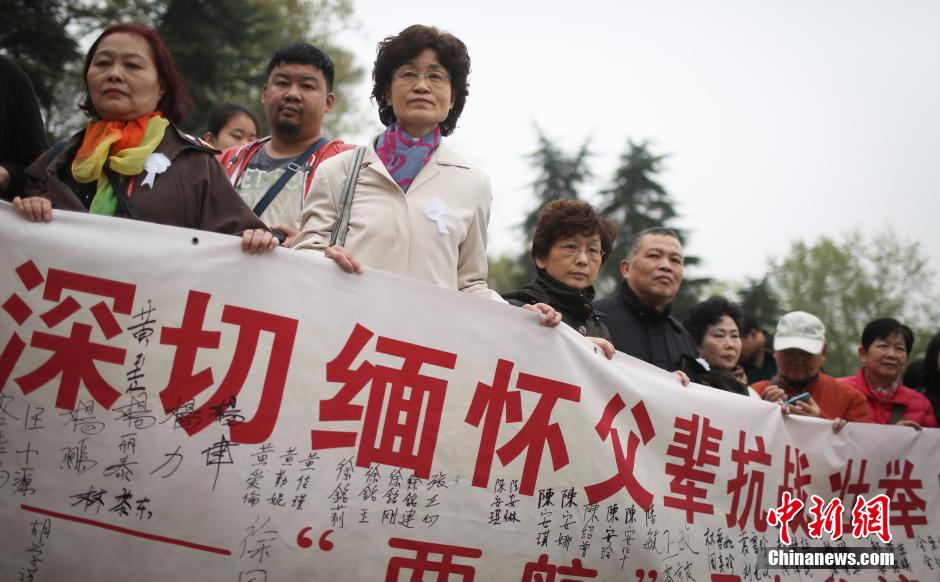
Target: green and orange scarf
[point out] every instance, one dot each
(124, 146)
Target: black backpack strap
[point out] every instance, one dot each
(289, 172)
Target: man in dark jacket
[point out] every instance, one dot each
(638, 315)
(757, 352)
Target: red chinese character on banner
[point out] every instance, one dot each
(754, 479)
(624, 479)
(795, 480)
(75, 357)
(842, 485)
(543, 571)
(420, 564)
(489, 405)
(696, 444)
(872, 517)
(907, 507)
(825, 517)
(404, 442)
(781, 516)
(185, 384)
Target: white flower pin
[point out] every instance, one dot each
(436, 210)
(155, 164)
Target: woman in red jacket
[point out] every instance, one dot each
(886, 344)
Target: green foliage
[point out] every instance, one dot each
(505, 274)
(221, 48)
(223, 62)
(759, 300)
(635, 201)
(851, 280)
(327, 19)
(36, 35)
(560, 175)
(690, 293)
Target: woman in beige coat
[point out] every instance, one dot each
(419, 209)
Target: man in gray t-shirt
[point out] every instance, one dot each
(261, 172)
(296, 96)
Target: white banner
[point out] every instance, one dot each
(173, 409)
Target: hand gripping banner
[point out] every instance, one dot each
(174, 409)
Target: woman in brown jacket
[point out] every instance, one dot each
(131, 160)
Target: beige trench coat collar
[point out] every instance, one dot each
(442, 156)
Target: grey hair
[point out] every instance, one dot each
(659, 230)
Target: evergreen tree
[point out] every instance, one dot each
(221, 48)
(690, 292)
(36, 36)
(850, 280)
(561, 176)
(759, 300)
(634, 202)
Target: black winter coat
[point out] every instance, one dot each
(573, 304)
(640, 331)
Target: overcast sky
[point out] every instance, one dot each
(783, 120)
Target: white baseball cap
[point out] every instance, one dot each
(800, 330)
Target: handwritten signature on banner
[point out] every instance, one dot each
(100, 374)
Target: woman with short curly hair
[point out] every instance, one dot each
(570, 243)
(418, 208)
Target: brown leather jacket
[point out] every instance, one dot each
(193, 192)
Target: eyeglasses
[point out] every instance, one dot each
(411, 76)
(572, 250)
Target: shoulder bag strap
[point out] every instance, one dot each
(341, 226)
(289, 172)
